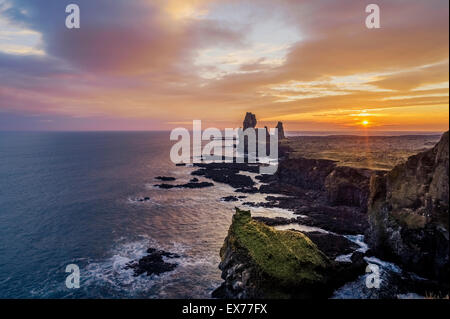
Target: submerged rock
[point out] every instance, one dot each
(228, 173)
(153, 263)
(247, 190)
(230, 199)
(165, 178)
(408, 213)
(187, 185)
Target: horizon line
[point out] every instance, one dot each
(287, 132)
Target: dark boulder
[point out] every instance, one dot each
(187, 185)
(153, 263)
(165, 178)
(230, 199)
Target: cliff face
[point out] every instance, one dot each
(304, 172)
(343, 185)
(408, 212)
(348, 186)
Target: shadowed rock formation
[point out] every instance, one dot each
(408, 212)
(348, 186)
(249, 121)
(280, 129)
(261, 262)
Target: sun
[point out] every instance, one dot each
(365, 123)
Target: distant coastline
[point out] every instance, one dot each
(361, 133)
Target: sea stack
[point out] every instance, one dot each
(280, 128)
(249, 121)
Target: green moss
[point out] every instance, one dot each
(289, 257)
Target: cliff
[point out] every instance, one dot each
(348, 186)
(408, 212)
(342, 185)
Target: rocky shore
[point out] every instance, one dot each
(403, 214)
(340, 219)
(261, 262)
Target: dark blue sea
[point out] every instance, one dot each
(73, 198)
(70, 198)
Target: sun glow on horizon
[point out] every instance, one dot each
(160, 64)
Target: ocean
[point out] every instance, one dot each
(73, 198)
(70, 198)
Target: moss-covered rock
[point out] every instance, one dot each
(287, 256)
(261, 262)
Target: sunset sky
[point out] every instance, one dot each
(159, 64)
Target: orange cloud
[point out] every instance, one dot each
(140, 60)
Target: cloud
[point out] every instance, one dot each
(174, 61)
(120, 36)
(412, 79)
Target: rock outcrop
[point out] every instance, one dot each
(227, 173)
(348, 186)
(408, 213)
(153, 263)
(187, 185)
(280, 129)
(342, 185)
(304, 172)
(261, 262)
(165, 178)
(249, 121)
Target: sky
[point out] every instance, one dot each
(160, 64)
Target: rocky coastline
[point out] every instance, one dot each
(409, 213)
(341, 219)
(402, 213)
